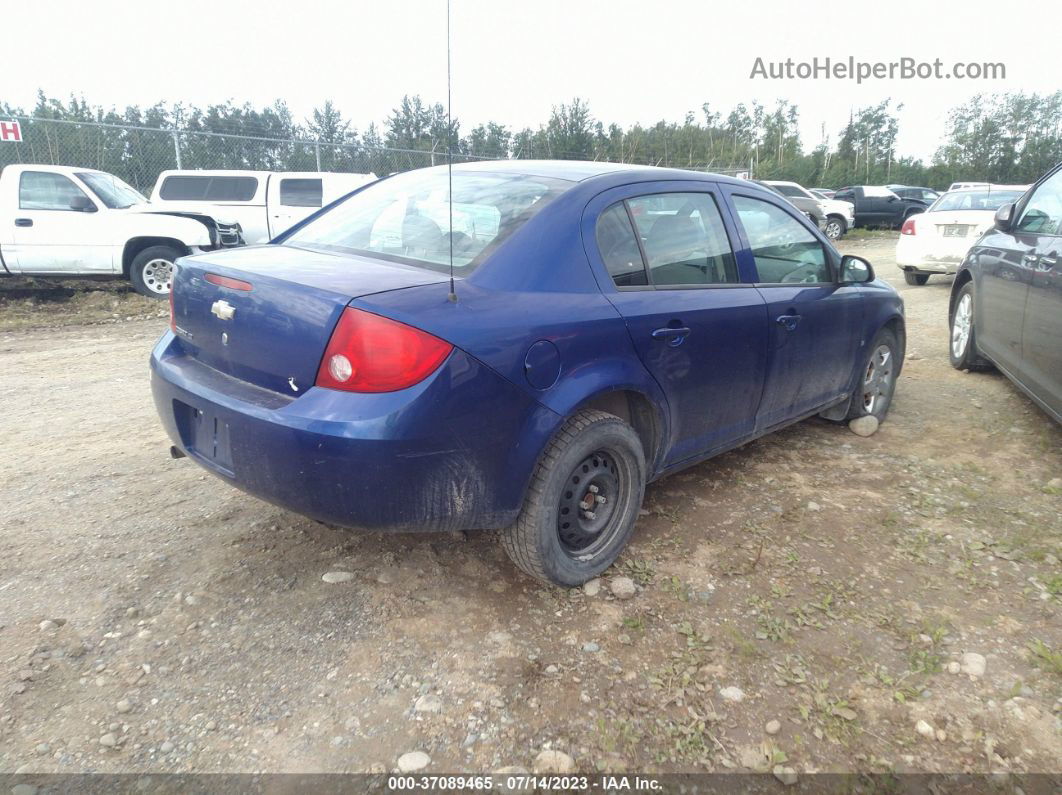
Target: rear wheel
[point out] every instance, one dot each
(962, 348)
(582, 502)
(152, 271)
(877, 377)
(915, 279)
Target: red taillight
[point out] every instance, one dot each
(225, 281)
(369, 353)
(908, 227)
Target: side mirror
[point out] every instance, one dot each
(1005, 217)
(855, 270)
(82, 204)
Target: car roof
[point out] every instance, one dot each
(581, 170)
(986, 186)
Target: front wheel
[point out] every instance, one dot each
(877, 377)
(582, 502)
(915, 279)
(962, 347)
(835, 228)
(152, 271)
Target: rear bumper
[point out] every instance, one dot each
(938, 257)
(454, 452)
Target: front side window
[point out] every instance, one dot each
(1043, 213)
(407, 217)
(619, 247)
(208, 188)
(43, 190)
(785, 251)
(684, 239)
(300, 192)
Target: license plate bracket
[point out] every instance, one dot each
(205, 435)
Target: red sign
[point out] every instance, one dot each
(10, 131)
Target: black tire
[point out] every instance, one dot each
(882, 398)
(592, 449)
(835, 227)
(148, 277)
(915, 279)
(968, 358)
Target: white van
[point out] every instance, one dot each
(263, 203)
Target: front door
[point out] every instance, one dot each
(814, 322)
(51, 236)
(1041, 337)
(699, 329)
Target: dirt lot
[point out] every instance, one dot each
(815, 600)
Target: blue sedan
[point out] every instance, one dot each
(605, 325)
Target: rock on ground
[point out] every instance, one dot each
(554, 762)
(864, 426)
(732, 693)
(622, 587)
(413, 761)
(973, 664)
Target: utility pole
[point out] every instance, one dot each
(177, 148)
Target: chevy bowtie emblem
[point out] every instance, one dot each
(223, 310)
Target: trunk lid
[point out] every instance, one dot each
(274, 334)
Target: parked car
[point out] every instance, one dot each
(961, 185)
(823, 193)
(807, 204)
(1006, 302)
(876, 205)
(60, 221)
(936, 241)
(263, 203)
(838, 216)
(614, 324)
(927, 195)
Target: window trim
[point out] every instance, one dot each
(51, 209)
(831, 266)
(714, 195)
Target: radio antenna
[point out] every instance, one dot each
(450, 156)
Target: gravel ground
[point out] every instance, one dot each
(814, 601)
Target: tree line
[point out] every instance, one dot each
(1007, 138)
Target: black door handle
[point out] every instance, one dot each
(23, 222)
(674, 336)
(788, 322)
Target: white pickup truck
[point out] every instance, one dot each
(263, 203)
(61, 221)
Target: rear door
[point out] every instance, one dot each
(290, 199)
(698, 327)
(1041, 338)
(51, 236)
(814, 322)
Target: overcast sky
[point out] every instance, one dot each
(632, 61)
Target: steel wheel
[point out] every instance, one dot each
(877, 381)
(587, 518)
(961, 326)
(158, 275)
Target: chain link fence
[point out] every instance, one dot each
(139, 154)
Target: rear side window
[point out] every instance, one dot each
(207, 188)
(684, 239)
(784, 250)
(619, 247)
(42, 190)
(300, 192)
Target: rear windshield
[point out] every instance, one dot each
(975, 200)
(407, 217)
(207, 188)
